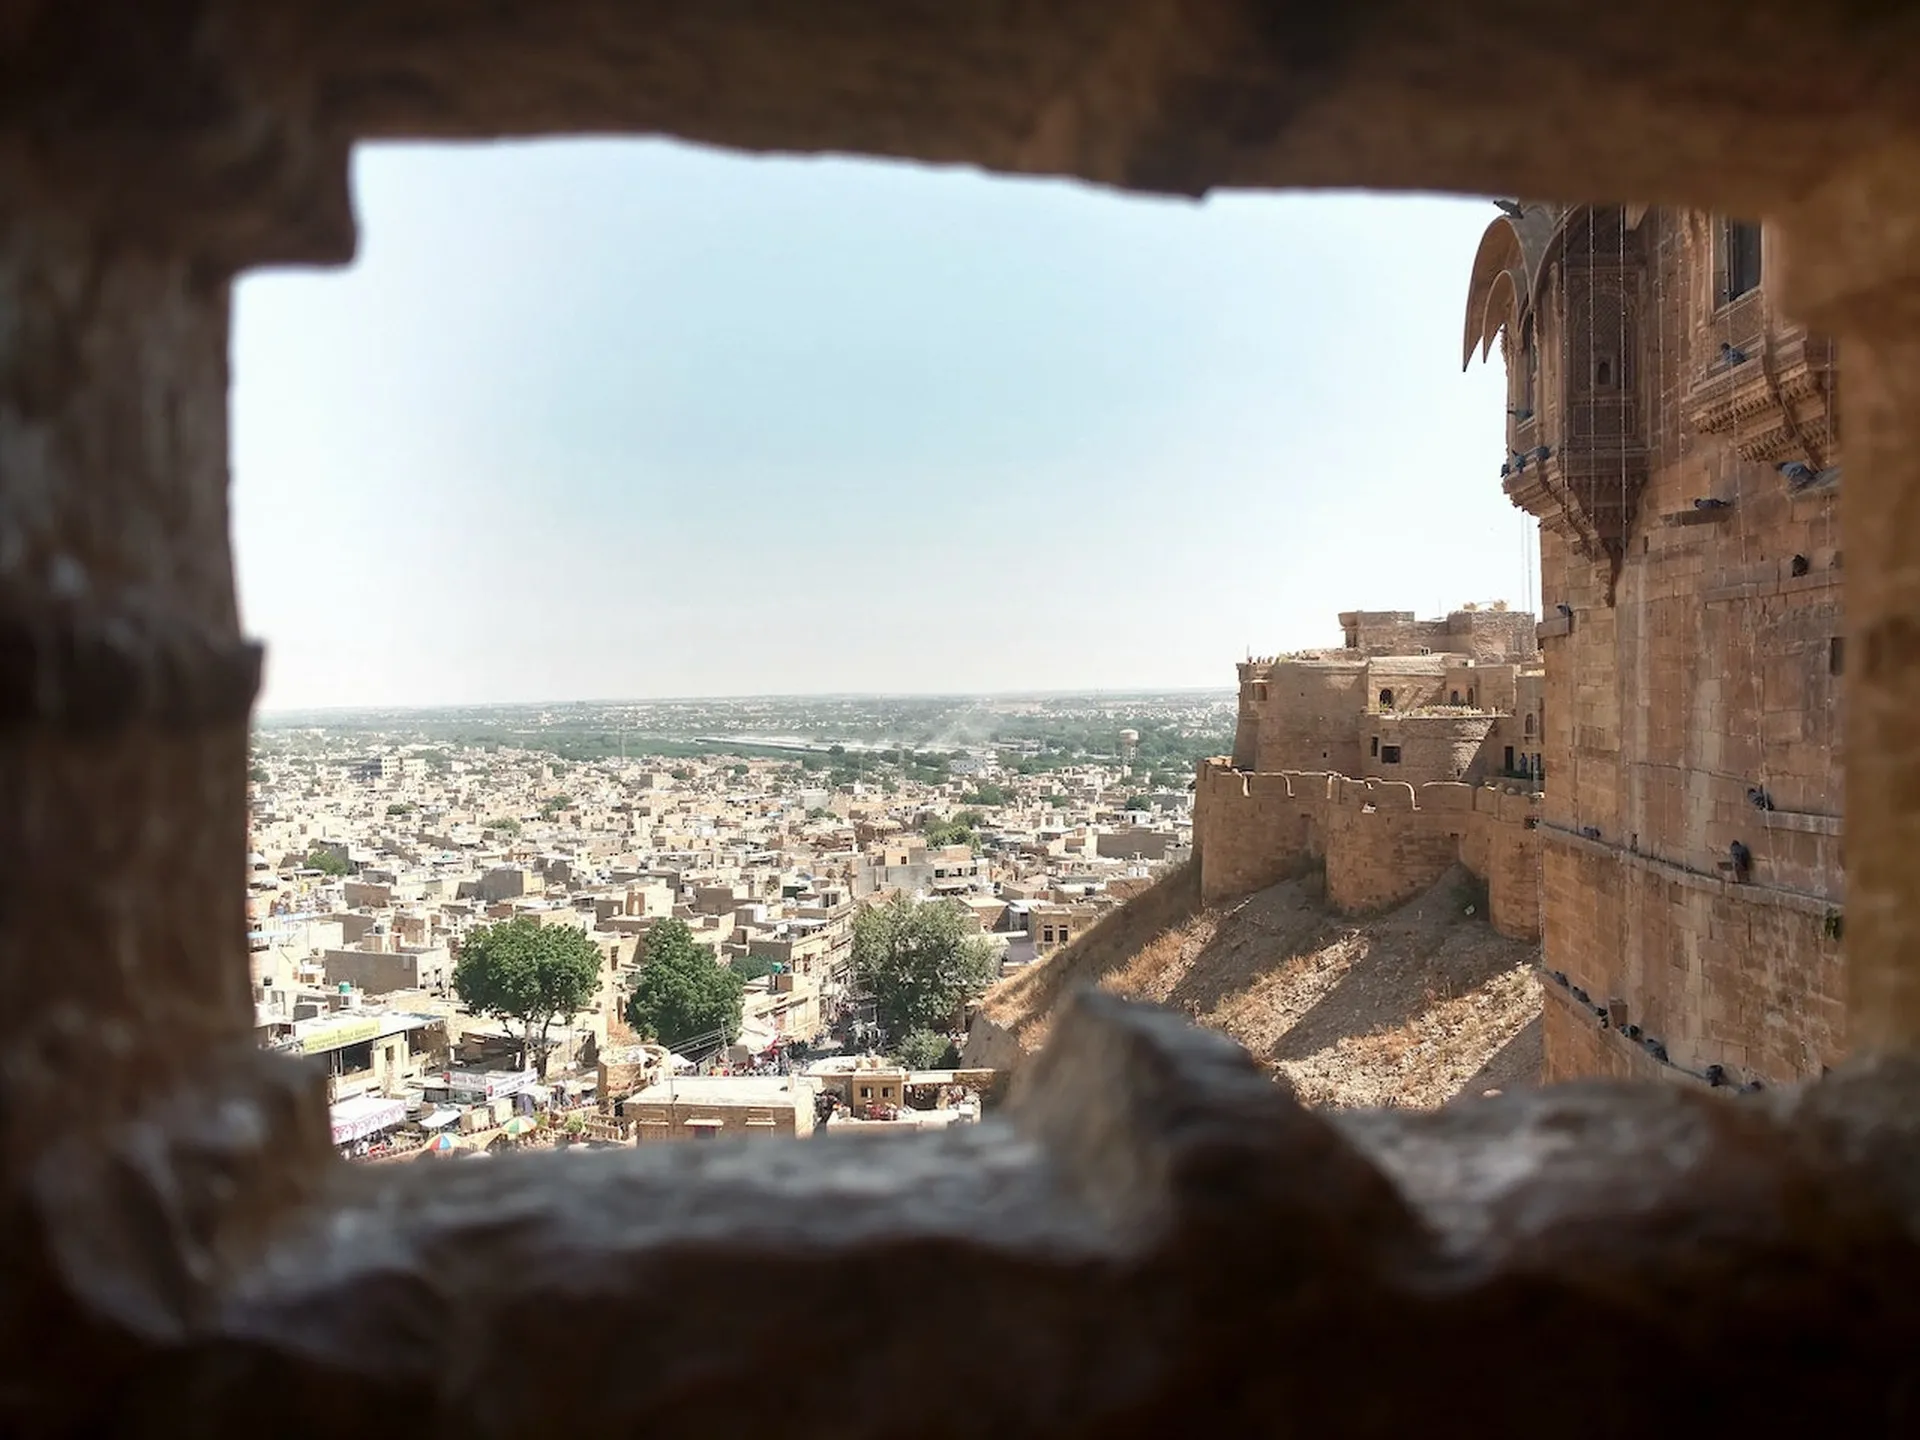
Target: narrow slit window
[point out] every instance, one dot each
(1742, 240)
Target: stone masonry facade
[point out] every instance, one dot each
(1402, 699)
(1407, 749)
(1677, 439)
(1381, 841)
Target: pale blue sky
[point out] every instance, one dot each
(625, 419)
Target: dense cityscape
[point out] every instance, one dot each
(614, 923)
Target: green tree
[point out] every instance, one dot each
(505, 824)
(990, 795)
(525, 971)
(258, 774)
(328, 860)
(399, 807)
(942, 832)
(554, 804)
(684, 996)
(919, 962)
(923, 1049)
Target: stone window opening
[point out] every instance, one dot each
(1454, 698)
(1386, 699)
(1741, 250)
(1530, 369)
(1389, 754)
(1527, 725)
(197, 1226)
(1376, 746)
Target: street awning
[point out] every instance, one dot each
(439, 1119)
(365, 1115)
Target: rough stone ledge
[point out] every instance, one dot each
(1747, 892)
(1155, 1238)
(92, 671)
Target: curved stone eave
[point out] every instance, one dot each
(1496, 259)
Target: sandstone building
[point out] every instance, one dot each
(1678, 440)
(1410, 748)
(1403, 699)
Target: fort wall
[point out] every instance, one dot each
(1747, 976)
(1382, 841)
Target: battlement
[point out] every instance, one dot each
(1381, 841)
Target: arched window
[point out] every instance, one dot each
(1386, 699)
(1529, 725)
(1454, 699)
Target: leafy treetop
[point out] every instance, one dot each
(684, 997)
(525, 971)
(327, 860)
(920, 963)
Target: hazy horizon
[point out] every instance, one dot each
(637, 418)
(1120, 692)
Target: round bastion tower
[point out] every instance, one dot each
(1255, 686)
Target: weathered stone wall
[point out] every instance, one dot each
(1312, 716)
(1502, 847)
(1382, 848)
(1382, 841)
(1747, 977)
(1576, 1046)
(1700, 684)
(1432, 747)
(1252, 830)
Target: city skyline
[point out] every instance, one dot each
(644, 420)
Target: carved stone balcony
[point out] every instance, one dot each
(1775, 405)
(1588, 485)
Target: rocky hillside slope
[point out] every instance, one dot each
(1413, 1007)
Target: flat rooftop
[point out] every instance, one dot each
(721, 1090)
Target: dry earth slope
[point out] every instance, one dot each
(1412, 1007)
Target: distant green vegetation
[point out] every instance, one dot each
(328, 861)
(946, 832)
(505, 824)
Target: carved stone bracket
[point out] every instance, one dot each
(1776, 405)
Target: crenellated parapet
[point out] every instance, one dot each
(1380, 841)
